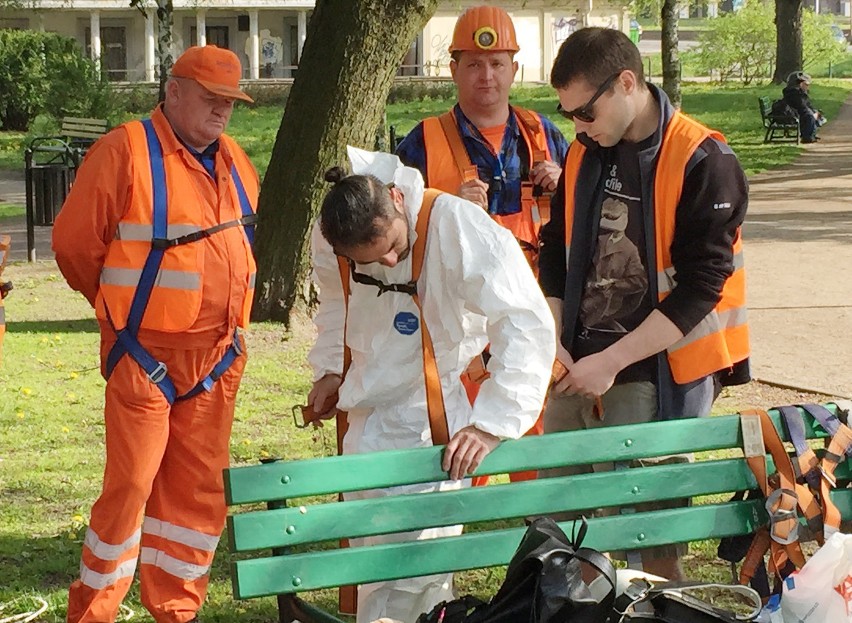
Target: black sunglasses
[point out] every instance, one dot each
(585, 113)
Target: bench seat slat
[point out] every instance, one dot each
(314, 570)
(86, 121)
(294, 479)
(298, 525)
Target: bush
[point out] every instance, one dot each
(47, 73)
(742, 44)
(739, 44)
(818, 44)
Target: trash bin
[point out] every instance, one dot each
(634, 35)
(50, 165)
(49, 184)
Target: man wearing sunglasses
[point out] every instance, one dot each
(684, 196)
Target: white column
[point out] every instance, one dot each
(816, 7)
(302, 27)
(712, 9)
(684, 12)
(254, 37)
(845, 7)
(40, 21)
(150, 46)
(201, 28)
(95, 28)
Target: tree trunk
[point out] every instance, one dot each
(351, 53)
(669, 52)
(788, 29)
(165, 23)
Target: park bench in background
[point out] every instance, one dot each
(50, 164)
(779, 128)
(302, 534)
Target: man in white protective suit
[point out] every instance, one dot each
(475, 289)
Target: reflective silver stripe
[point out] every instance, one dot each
(666, 281)
(107, 551)
(142, 232)
(179, 534)
(252, 280)
(2, 315)
(567, 257)
(100, 581)
(712, 323)
(129, 277)
(171, 565)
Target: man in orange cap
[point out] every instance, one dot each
(156, 234)
(504, 158)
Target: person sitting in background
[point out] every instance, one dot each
(796, 97)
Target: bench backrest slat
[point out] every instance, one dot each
(308, 571)
(295, 479)
(82, 128)
(291, 526)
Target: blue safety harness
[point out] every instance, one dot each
(127, 341)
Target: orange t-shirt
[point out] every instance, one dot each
(494, 136)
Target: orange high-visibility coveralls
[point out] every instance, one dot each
(162, 500)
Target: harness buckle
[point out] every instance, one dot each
(238, 346)
(831, 480)
(158, 374)
(781, 515)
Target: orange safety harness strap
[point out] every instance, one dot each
(467, 170)
(782, 494)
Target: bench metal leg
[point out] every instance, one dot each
(291, 608)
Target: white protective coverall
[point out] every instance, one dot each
(476, 289)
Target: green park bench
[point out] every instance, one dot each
(295, 539)
(779, 129)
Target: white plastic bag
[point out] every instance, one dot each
(821, 591)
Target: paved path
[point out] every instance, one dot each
(798, 246)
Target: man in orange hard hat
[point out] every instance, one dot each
(504, 158)
(156, 234)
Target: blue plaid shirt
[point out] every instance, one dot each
(502, 172)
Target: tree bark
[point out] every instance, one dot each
(788, 29)
(352, 51)
(165, 23)
(669, 52)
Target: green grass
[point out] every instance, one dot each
(52, 450)
(51, 392)
(8, 210)
(730, 108)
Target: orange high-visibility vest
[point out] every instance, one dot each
(721, 338)
(448, 166)
(176, 295)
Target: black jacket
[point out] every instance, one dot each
(798, 100)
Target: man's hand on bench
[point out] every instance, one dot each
(466, 450)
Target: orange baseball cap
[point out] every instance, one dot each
(216, 69)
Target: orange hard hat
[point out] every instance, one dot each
(484, 29)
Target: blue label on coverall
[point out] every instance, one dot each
(406, 323)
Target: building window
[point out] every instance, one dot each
(216, 35)
(113, 51)
(412, 64)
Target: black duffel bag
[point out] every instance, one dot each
(544, 584)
